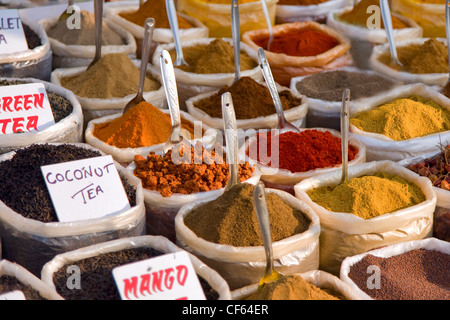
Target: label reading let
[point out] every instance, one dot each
(85, 189)
(24, 108)
(12, 36)
(167, 277)
(13, 295)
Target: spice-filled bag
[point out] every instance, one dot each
(359, 24)
(302, 155)
(310, 285)
(409, 270)
(66, 111)
(253, 103)
(36, 62)
(211, 65)
(30, 230)
(415, 119)
(170, 182)
(15, 277)
(292, 53)
(324, 92)
(216, 14)
(76, 47)
(425, 60)
(228, 240)
(382, 203)
(116, 253)
(109, 85)
(304, 10)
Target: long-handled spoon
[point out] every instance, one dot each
(262, 213)
(236, 33)
(173, 21)
(230, 127)
(66, 14)
(98, 12)
(269, 23)
(387, 19)
(446, 88)
(344, 134)
(267, 73)
(148, 34)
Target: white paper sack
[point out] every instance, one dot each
(293, 13)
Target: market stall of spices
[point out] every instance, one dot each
(114, 75)
(250, 98)
(10, 284)
(133, 129)
(418, 274)
(429, 57)
(204, 170)
(231, 218)
(85, 35)
(368, 196)
(404, 118)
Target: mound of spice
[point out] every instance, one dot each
(417, 274)
(134, 130)
(85, 35)
(204, 170)
(33, 40)
(231, 218)
(369, 196)
(303, 42)
(300, 152)
(157, 10)
(359, 15)
(330, 85)
(404, 118)
(10, 284)
(22, 173)
(113, 76)
(214, 57)
(293, 287)
(429, 57)
(97, 279)
(252, 99)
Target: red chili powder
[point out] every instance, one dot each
(301, 43)
(304, 151)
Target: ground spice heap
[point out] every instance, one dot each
(231, 218)
(359, 15)
(85, 35)
(417, 274)
(303, 42)
(300, 152)
(157, 10)
(292, 287)
(404, 118)
(215, 57)
(9, 284)
(429, 57)
(142, 125)
(113, 76)
(251, 100)
(204, 170)
(330, 85)
(369, 196)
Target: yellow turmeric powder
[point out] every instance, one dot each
(404, 118)
(369, 196)
(141, 126)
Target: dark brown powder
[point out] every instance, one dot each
(231, 218)
(10, 283)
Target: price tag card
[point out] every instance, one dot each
(85, 189)
(167, 277)
(24, 108)
(12, 36)
(13, 295)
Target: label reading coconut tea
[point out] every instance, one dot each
(12, 36)
(85, 189)
(25, 108)
(167, 277)
(13, 295)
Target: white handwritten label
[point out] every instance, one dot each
(24, 108)
(13, 295)
(85, 189)
(12, 36)
(169, 276)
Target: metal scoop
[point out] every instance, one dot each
(173, 21)
(387, 19)
(344, 134)
(148, 34)
(170, 88)
(269, 23)
(229, 123)
(262, 213)
(98, 12)
(65, 14)
(236, 33)
(267, 73)
(446, 88)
